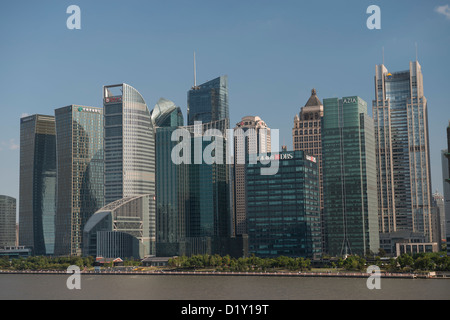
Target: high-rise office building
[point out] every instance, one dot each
(438, 218)
(283, 210)
(307, 132)
(349, 178)
(129, 144)
(80, 166)
(208, 215)
(307, 136)
(402, 151)
(445, 216)
(171, 182)
(251, 136)
(7, 221)
(446, 178)
(37, 184)
(208, 102)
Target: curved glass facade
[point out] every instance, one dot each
(37, 184)
(120, 229)
(80, 192)
(129, 144)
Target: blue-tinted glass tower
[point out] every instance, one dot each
(209, 101)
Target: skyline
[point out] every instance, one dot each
(272, 54)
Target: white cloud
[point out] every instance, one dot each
(444, 10)
(10, 145)
(13, 145)
(23, 115)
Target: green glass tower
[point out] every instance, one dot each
(283, 210)
(171, 182)
(349, 178)
(80, 166)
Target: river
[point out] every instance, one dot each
(192, 287)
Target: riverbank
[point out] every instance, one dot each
(430, 275)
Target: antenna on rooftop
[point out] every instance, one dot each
(416, 51)
(195, 73)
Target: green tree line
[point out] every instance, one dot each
(35, 263)
(227, 263)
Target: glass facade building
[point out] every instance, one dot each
(129, 144)
(37, 187)
(402, 149)
(80, 166)
(120, 229)
(349, 178)
(209, 101)
(208, 205)
(7, 221)
(171, 182)
(283, 210)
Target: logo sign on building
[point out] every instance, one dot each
(88, 109)
(350, 100)
(311, 158)
(283, 156)
(113, 99)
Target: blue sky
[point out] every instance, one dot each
(273, 52)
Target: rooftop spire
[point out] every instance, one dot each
(313, 100)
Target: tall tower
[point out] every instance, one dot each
(349, 178)
(129, 144)
(307, 137)
(7, 221)
(171, 182)
(209, 101)
(251, 136)
(80, 192)
(37, 184)
(402, 151)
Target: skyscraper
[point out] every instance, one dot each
(402, 151)
(283, 209)
(307, 136)
(80, 166)
(446, 177)
(209, 101)
(129, 142)
(7, 221)
(171, 182)
(37, 184)
(208, 204)
(349, 177)
(251, 136)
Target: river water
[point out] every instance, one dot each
(192, 287)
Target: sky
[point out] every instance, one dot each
(273, 52)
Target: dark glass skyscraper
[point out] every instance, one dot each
(37, 184)
(208, 204)
(349, 178)
(80, 193)
(171, 182)
(283, 210)
(209, 101)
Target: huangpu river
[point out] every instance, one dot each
(198, 287)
